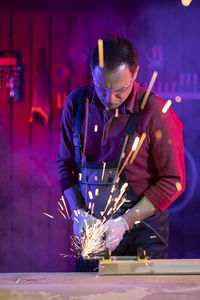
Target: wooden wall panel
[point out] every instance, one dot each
(173, 41)
(79, 51)
(41, 234)
(6, 152)
(98, 29)
(117, 25)
(154, 42)
(21, 143)
(136, 34)
(61, 229)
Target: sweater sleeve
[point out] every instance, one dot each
(165, 133)
(65, 160)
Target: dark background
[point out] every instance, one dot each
(54, 39)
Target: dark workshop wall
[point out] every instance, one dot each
(54, 50)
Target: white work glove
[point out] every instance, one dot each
(81, 220)
(114, 231)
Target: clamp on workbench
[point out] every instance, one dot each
(107, 258)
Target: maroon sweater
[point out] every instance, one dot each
(158, 166)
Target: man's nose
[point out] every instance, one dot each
(111, 95)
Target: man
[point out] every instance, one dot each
(155, 178)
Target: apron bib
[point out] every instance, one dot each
(96, 181)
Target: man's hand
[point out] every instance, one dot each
(81, 220)
(114, 231)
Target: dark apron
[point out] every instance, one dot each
(96, 184)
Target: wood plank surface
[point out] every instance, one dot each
(85, 286)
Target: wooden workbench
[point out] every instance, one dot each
(91, 286)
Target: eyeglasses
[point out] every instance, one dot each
(117, 91)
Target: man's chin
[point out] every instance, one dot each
(114, 106)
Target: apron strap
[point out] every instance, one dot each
(77, 124)
(130, 129)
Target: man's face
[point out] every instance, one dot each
(113, 86)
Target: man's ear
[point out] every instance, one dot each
(136, 73)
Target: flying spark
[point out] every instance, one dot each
(48, 215)
(86, 128)
(65, 206)
(90, 195)
(103, 171)
(153, 78)
(158, 135)
(178, 186)
(166, 106)
(178, 99)
(100, 49)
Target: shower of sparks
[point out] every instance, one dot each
(121, 156)
(65, 206)
(86, 128)
(48, 215)
(120, 204)
(60, 205)
(109, 212)
(116, 113)
(76, 220)
(107, 204)
(166, 106)
(95, 178)
(138, 147)
(75, 212)
(100, 49)
(75, 243)
(79, 176)
(95, 128)
(92, 242)
(119, 201)
(153, 78)
(103, 171)
(89, 205)
(62, 213)
(124, 164)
